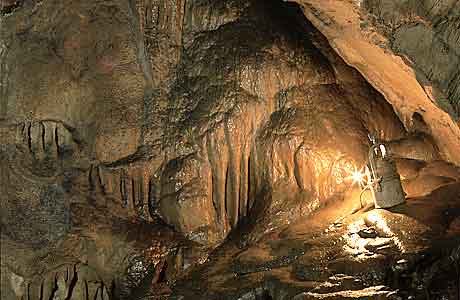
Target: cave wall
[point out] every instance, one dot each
(137, 103)
(342, 24)
(237, 85)
(427, 33)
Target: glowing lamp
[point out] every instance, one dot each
(358, 177)
(385, 183)
(382, 179)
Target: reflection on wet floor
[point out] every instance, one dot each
(376, 254)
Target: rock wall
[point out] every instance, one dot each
(257, 122)
(427, 33)
(341, 22)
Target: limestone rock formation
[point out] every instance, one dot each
(200, 149)
(427, 33)
(340, 22)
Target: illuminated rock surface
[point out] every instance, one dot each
(204, 149)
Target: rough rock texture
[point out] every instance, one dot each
(403, 253)
(203, 149)
(428, 34)
(340, 22)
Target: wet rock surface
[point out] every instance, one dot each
(401, 256)
(204, 150)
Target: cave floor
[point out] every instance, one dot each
(408, 251)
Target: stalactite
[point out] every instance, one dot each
(4, 76)
(123, 190)
(244, 184)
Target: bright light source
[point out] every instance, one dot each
(361, 177)
(357, 177)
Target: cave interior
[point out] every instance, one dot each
(200, 149)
